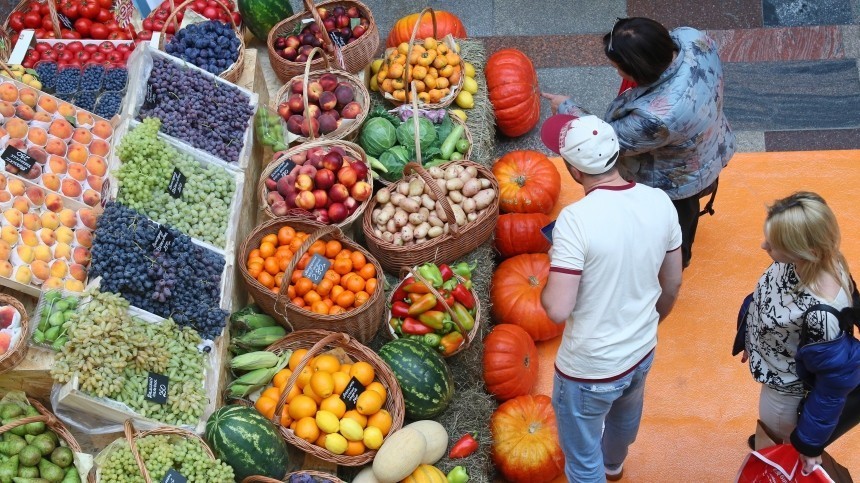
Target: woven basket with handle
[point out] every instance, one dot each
(317, 342)
(362, 322)
(23, 6)
(317, 474)
(16, 353)
(132, 436)
(355, 55)
(346, 130)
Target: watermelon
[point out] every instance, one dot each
(261, 15)
(423, 376)
(247, 441)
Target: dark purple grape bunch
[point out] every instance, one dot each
(212, 45)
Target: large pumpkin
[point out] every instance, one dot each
(512, 85)
(446, 23)
(515, 294)
(510, 362)
(525, 440)
(528, 182)
(518, 233)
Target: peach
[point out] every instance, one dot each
(47, 236)
(42, 117)
(37, 153)
(77, 153)
(13, 217)
(28, 96)
(68, 218)
(8, 92)
(77, 172)
(25, 112)
(81, 255)
(99, 147)
(3, 181)
(18, 144)
(16, 128)
(63, 250)
(37, 136)
(78, 272)
(52, 283)
(87, 217)
(91, 197)
(75, 285)
(41, 270)
(24, 253)
(16, 187)
(58, 165)
(43, 252)
(7, 109)
(21, 204)
(71, 188)
(3, 132)
(51, 181)
(5, 269)
(61, 128)
(95, 182)
(29, 237)
(96, 165)
(102, 129)
(84, 237)
(50, 220)
(23, 275)
(64, 234)
(48, 103)
(82, 135)
(9, 234)
(84, 118)
(32, 222)
(59, 268)
(53, 202)
(67, 110)
(36, 195)
(5, 250)
(55, 146)
(5, 196)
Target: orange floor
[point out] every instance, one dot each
(701, 403)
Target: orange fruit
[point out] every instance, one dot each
(327, 363)
(324, 287)
(267, 249)
(266, 407)
(369, 402)
(337, 309)
(294, 391)
(363, 372)
(361, 298)
(382, 420)
(367, 272)
(296, 276)
(303, 286)
(342, 266)
(317, 247)
(333, 276)
(321, 440)
(345, 253)
(272, 393)
(271, 265)
(332, 248)
(345, 368)
(266, 279)
(322, 384)
(335, 292)
(358, 260)
(309, 392)
(341, 379)
(320, 307)
(291, 292)
(307, 429)
(305, 376)
(303, 261)
(357, 416)
(370, 286)
(286, 234)
(354, 448)
(270, 238)
(378, 387)
(345, 299)
(283, 262)
(302, 406)
(298, 301)
(281, 378)
(354, 283)
(255, 253)
(295, 244)
(312, 297)
(335, 405)
(296, 357)
(286, 420)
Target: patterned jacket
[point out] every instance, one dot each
(673, 133)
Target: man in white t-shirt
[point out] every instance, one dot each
(615, 274)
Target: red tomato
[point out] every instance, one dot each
(199, 5)
(44, 9)
(43, 46)
(70, 9)
(237, 18)
(59, 47)
(123, 48)
(224, 17)
(82, 56)
(104, 16)
(98, 57)
(47, 24)
(41, 34)
(98, 31)
(145, 35)
(49, 55)
(106, 47)
(66, 55)
(83, 25)
(32, 20)
(158, 24)
(161, 14)
(70, 34)
(33, 56)
(170, 28)
(28, 64)
(14, 38)
(75, 46)
(50, 34)
(90, 9)
(107, 4)
(16, 21)
(91, 48)
(211, 13)
(115, 58)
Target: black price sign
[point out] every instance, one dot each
(282, 170)
(149, 97)
(18, 159)
(350, 393)
(176, 184)
(316, 268)
(339, 38)
(163, 240)
(547, 231)
(66, 21)
(173, 476)
(156, 389)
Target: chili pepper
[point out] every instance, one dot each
(414, 327)
(464, 296)
(417, 287)
(451, 342)
(432, 318)
(425, 303)
(464, 269)
(432, 340)
(399, 309)
(396, 324)
(458, 475)
(463, 315)
(447, 273)
(464, 446)
(431, 273)
(414, 297)
(447, 297)
(450, 284)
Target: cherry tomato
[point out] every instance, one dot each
(33, 56)
(41, 34)
(32, 20)
(16, 21)
(199, 5)
(14, 38)
(98, 31)
(83, 26)
(211, 13)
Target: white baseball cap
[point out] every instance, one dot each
(587, 143)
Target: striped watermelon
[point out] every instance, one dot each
(247, 441)
(261, 15)
(423, 376)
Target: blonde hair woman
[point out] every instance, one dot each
(802, 237)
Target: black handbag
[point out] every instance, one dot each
(740, 337)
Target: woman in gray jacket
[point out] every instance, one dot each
(671, 127)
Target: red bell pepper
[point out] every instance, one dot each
(413, 327)
(446, 272)
(399, 309)
(447, 297)
(464, 447)
(416, 287)
(425, 303)
(400, 294)
(464, 296)
(414, 297)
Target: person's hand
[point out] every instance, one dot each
(809, 463)
(555, 100)
(745, 357)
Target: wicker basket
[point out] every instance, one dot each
(22, 7)
(468, 336)
(234, 71)
(445, 248)
(454, 89)
(54, 425)
(317, 342)
(132, 436)
(348, 131)
(318, 474)
(355, 56)
(15, 354)
(5, 45)
(351, 149)
(362, 323)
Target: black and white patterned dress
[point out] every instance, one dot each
(774, 322)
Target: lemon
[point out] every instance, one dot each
(374, 84)
(335, 443)
(465, 100)
(459, 113)
(36, 85)
(470, 70)
(470, 85)
(327, 421)
(375, 65)
(351, 430)
(372, 437)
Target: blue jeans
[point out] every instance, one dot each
(582, 409)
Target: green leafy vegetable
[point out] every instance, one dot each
(377, 136)
(394, 160)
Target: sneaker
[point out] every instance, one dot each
(614, 475)
(751, 442)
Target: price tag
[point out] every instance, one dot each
(163, 240)
(66, 21)
(316, 268)
(338, 38)
(149, 97)
(547, 231)
(176, 184)
(284, 169)
(156, 388)
(18, 159)
(350, 393)
(173, 476)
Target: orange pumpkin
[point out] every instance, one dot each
(528, 182)
(515, 294)
(512, 86)
(518, 233)
(510, 362)
(525, 440)
(446, 23)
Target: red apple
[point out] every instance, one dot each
(361, 190)
(342, 21)
(280, 43)
(360, 169)
(321, 198)
(329, 24)
(324, 179)
(290, 53)
(358, 31)
(314, 91)
(337, 212)
(332, 161)
(347, 176)
(306, 200)
(338, 193)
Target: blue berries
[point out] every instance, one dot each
(115, 79)
(68, 80)
(86, 100)
(47, 72)
(91, 79)
(212, 45)
(108, 105)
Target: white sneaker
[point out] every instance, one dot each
(614, 475)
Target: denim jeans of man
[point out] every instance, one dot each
(582, 409)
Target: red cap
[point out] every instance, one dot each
(550, 132)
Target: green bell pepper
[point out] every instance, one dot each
(458, 475)
(431, 273)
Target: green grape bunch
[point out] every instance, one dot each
(161, 453)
